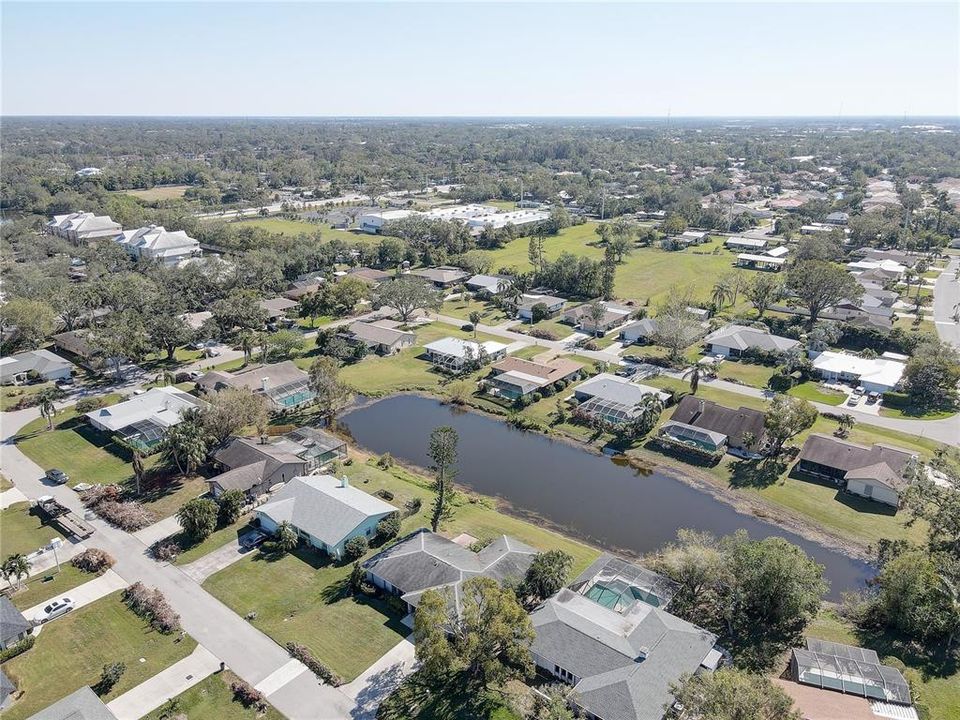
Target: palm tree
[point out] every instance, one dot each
(845, 424)
(138, 470)
(694, 375)
(475, 318)
(247, 344)
(738, 284)
(721, 293)
(47, 409)
(16, 566)
(648, 412)
(164, 377)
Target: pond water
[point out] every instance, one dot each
(604, 502)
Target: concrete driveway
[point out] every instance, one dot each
(83, 594)
(215, 561)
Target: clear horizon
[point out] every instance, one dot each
(497, 60)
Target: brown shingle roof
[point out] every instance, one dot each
(550, 371)
(847, 456)
(708, 415)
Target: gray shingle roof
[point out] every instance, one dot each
(12, 621)
(848, 456)
(321, 506)
(80, 705)
(741, 337)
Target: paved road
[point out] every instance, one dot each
(248, 652)
(946, 297)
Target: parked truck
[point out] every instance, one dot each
(63, 517)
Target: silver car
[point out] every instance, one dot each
(54, 609)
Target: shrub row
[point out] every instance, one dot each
(152, 606)
(316, 667)
(20, 647)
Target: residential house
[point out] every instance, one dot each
(325, 511)
(441, 277)
(614, 315)
(734, 341)
(750, 261)
(143, 420)
(487, 285)
(744, 243)
(608, 637)
(743, 429)
(514, 378)
(878, 472)
(889, 269)
(254, 466)
(369, 275)
(14, 627)
(817, 229)
(80, 227)
(277, 308)
(283, 384)
(837, 218)
(83, 704)
(76, 343)
(855, 671)
(382, 337)
(425, 561)
(879, 374)
(897, 256)
(43, 364)
(195, 320)
(640, 331)
(157, 243)
(614, 399)
(524, 306)
(455, 354)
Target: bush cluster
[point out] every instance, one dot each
(166, 551)
(20, 647)
(247, 695)
(93, 560)
(301, 653)
(126, 515)
(152, 606)
(542, 334)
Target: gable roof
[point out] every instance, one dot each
(547, 372)
(249, 460)
(741, 337)
(321, 506)
(379, 334)
(708, 415)
(80, 705)
(41, 361)
(12, 621)
(440, 274)
(864, 462)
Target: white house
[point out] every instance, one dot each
(325, 511)
(143, 420)
(454, 354)
(82, 226)
(529, 300)
(487, 284)
(157, 243)
(16, 369)
(879, 374)
(885, 266)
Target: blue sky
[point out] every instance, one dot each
(643, 59)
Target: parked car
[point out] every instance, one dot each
(626, 372)
(212, 352)
(252, 540)
(58, 477)
(873, 398)
(55, 609)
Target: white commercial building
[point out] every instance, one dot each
(517, 218)
(373, 222)
(155, 242)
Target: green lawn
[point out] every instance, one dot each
(559, 329)
(192, 551)
(814, 392)
(87, 455)
(10, 395)
(645, 273)
(752, 374)
(5, 484)
(461, 310)
(407, 370)
(282, 226)
(71, 653)
(158, 362)
(939, 689)
(159, 192)
(22, 532)
(37, 591)
(211, 699)
(913, 415)
(301, 597)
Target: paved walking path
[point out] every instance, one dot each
(83, 594)
(11, 497)
(152, 693)
(215, 561)
(158, 531)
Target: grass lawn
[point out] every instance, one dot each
(10, 395)
(645, 273)
(21, 532)
(220, 537)
(318, 322)
(301, 597)
(752, 374)
(156, 362)
(5, 484)
(814, 392)
(937, 679)
(559, 329)
(160, 192)
(461, 310)
(87, 455)
(282, 226)
(37, 591)
(529, 352)
(913, 415)
(211, 699)
(407, 370)
(71, 652)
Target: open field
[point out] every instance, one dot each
(283, 226)
(211, 699)
(38, 591)
(23, 532)
(938, 680)
(645, 273)
(71, 652)
(752, 374)
(159, 192)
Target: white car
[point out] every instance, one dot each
(54, 609)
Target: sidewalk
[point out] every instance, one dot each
(11, 497)
(158, 531)
(152, 693)
(84, 594)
